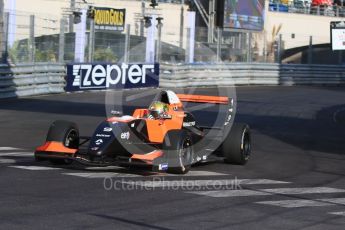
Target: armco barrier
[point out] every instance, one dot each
(250, 74)
(31, 79)
(35, 79)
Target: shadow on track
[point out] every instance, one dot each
(321, 134)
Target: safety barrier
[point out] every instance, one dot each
(31, 79)
(36, 79)
(250, 74)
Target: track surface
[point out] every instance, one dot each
(297, 170)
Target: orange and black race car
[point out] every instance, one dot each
(163, 136)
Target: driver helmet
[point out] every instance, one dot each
(157, 109)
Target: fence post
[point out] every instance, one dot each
(265, 47)
(2, 29)
(91, 40)
(142, 18)
(310, 50)
(127, 43)
(181, 27)
(187, 56)
(5, 38)
(337, 11)
(32, 39)
(71, 17)
(159, 43)
(62, 41)
(249, 42)
(279, 49)
(150, 41)
(211, 21)
(219, 43)
(79, 42)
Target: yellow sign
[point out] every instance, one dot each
(109, 18)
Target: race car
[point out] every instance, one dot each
(163, 136)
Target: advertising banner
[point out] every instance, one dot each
(109, 19)
(84, 76)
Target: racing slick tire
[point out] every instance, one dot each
(177, 145)
(236, 147)
(67, 133)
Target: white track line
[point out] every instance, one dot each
(197, 173)
(7, 161)
(101, 175)
(229, 193)
(261, 181)
(104, 168)
(334, 200)
(306, 190)
(8, 149)
(268, 192)
(17, 154)
(295, 203)
(35, 168)
(337, 213)
(299, 203)
(211, 184)
(122, 175)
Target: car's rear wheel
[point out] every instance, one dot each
(67, 133)
(236, 147)
(177, 146)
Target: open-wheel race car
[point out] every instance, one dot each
(163, 136)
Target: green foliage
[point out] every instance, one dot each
(19, 52)
(45, 56)
(105, 54)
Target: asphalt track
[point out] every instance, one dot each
(294, 180)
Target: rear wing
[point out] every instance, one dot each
(203, 99)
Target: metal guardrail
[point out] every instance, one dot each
(250, 74)
(31, 79)
(37, 79)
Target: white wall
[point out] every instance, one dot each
(53, 9)
(302, 25)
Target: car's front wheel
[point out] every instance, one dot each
(177, 146)
(65, 132)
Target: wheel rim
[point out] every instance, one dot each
(185, 154)
(246, 145)
(71, 139)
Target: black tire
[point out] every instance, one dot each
(38, 159)
(67, 133)
(236, 147)
(177, 146)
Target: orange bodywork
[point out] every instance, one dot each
(53, 146)
(148, 156)
(140, 113)
(157, 129)
(203, 99)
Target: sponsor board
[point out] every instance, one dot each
(109, 18)
(86, 76)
